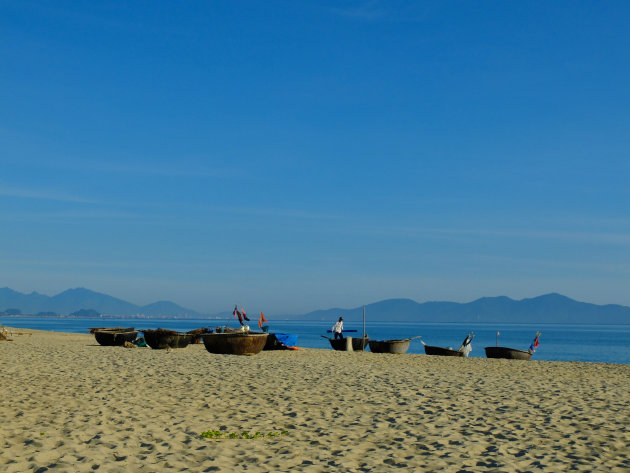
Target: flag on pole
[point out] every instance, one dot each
(238, 315)
(534, 344)
(261, 320)
(244, 314)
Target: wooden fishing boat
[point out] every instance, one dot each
(441, 351)
(114, 329)
(512, 353)
(508, 353)
(358, 344)
(390, 346)
(161, 339)
(197, 333)
(235, 343)
(114, 337)
(464, 349)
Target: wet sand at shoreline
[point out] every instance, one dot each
(68, 404)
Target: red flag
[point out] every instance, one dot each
(237, 314)
(261, 320)
(244, 314)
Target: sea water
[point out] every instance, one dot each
(594, 343)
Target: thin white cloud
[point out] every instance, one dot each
(77, 16)
(616, 238)
(183, 168)
(276, 212)
(581, 220)
(44, 194)
(76, 214)
(592, 237)
(620, 238)
(165, 217)
(70, 264)
(563, 264)
(217, 263)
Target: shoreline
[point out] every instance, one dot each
(53, 332)
(72, 405)
(597, 344)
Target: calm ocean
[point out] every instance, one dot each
(597, 343)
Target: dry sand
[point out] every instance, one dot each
(68, 404)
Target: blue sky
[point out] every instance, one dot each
(290, 156)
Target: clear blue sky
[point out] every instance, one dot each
(296, 155)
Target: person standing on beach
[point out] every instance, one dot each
(338, 328)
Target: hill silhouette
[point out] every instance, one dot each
(548, 308)
(73, 300)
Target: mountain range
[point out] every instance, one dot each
(549, 308)
(73, 300)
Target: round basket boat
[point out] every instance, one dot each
(114, 337)
(161, 339)
(358, 344)
(390, 346)
(507, 353)
(441, 351)
(235, 343)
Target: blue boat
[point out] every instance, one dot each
(281, 341)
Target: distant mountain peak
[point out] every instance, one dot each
(553, 295)
(78, 289)
(549, 308)
(493, 298)
(74, 299)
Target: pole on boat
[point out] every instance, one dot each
(363, 322)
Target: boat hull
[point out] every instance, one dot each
(163, 339)
(390, 346)
(111, 329)
(507, 353)
(235, 343)
(114, 338)
(440, 351)
(280, 341)
(358, 344)
(197, 333)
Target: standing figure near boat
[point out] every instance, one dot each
(466, 347)
(338, 328)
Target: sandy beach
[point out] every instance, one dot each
(68, 404)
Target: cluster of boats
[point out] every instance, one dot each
(223, 341)
(157, 339)
(226, 341)
(376, 346)
(402, 345)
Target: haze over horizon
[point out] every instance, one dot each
(295, 156)
(227, 309)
